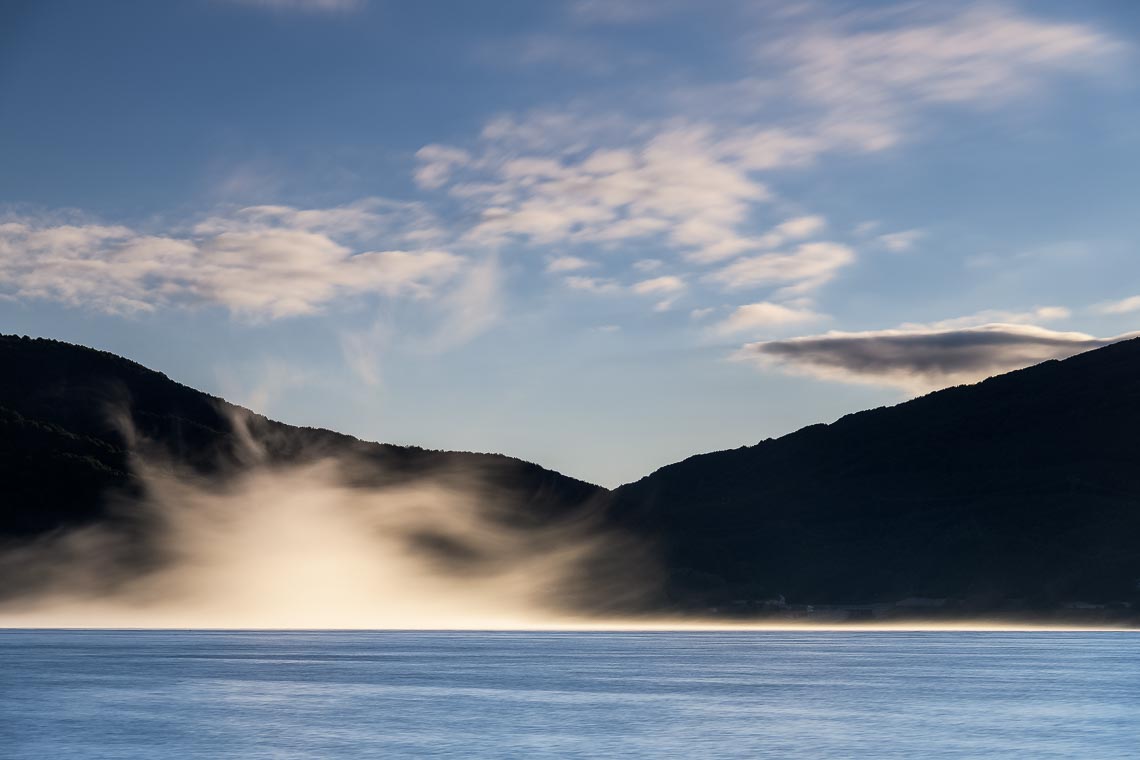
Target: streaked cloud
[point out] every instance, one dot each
(798, 271)
(918, 359)
(620, 11)
(700, 189)
(578, 54)
(668, 287)
(1033, 316)
(900, 242)
(1123, 306)
(686, 185)
(758, 317)
(659, 286)
(468, 309)
(436, 163)
(596, 285)
(800, 227)
(567, 264)
(326, 6)
(872, 69)
(675, 185)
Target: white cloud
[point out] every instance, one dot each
(696, 189)
(363, 352)
(797, 228)
(990, 316)
(567, 264)
(436, 164)
(1123, 306)
(669, 286)
(458, 314)
(683, 184)
(260, 383)
(470, 308)
(305, 5)
(807, 267)
(595, 285)
(260, 262)
(871, 69)
(578, 54)
(620, 11)
(856, 81)
(800, 227)
(659, 286)
(674, 185)
(899, 242)
(755, 317)
(920, 359)
(698, 314)
(648, 265)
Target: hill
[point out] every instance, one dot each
(70, 417)
(1020, 492)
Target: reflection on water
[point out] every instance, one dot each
(134, 694)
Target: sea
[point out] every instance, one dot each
(682, 694)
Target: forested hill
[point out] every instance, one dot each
(1020, 491)
(64, 449)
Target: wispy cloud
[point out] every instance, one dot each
(759, 317)
(701, 190)
(596, 285)
(874, 68)
(1123, 306)
(798, 271)
(699, 314)
(669, 287)
(659, 286)
(666, 288)
(567, 264)
(674, 185)
(319, 6)
(900, 242)
(1033, 316)
(577, 54)
(620, 11)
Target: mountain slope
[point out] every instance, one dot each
(70, 416)
(1021, 490)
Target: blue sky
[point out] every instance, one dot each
(602, 236)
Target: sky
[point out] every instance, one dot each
(600, 235)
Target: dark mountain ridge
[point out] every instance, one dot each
(1021, 490)
(1019, 493)
(70, 417)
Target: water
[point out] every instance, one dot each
(135, 694)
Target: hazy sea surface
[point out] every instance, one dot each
(161, 694)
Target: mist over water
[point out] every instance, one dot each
(332, 541)
(314, 545)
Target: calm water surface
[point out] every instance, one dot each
(133, 694)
